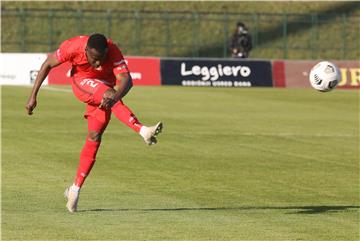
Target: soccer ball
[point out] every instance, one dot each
(324, 76)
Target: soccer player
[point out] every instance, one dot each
(97, 64)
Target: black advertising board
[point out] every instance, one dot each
(216, 72)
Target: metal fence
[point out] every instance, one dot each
(186, 34)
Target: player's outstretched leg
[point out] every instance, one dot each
(125, 115)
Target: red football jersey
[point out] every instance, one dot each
(73, 51)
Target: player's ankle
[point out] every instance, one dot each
(75, 188)
(143, 131)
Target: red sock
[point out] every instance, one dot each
(87, 160)
(124, 114)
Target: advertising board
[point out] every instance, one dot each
(296, 73)
(19, 68)
(216, 72)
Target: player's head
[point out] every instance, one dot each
(96, 49)
(240, 27)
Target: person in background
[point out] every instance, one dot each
(241, 42)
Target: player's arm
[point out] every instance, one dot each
(123, 77)
(48, 64)
(125, 84)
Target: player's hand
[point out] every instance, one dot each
(108, 100)
(30, 106)
(107, 103)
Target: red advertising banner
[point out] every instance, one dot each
(144, 71)
(296, 73)
(278, 72)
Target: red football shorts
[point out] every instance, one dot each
(91, 91)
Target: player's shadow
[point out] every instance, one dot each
(290, 209)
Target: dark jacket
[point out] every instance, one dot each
(240, 44)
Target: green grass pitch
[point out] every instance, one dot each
(231, 164)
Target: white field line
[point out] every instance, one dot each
(279, 134)
(299, 135)
(49, 88)
(212, 134)
(57, 89)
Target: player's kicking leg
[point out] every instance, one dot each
(97, 91)
(125, 115)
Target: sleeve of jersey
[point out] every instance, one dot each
(119, 64)
(63, 53)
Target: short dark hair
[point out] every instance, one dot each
(240, 24)
(97, 41)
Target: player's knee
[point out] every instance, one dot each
(94, 136)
